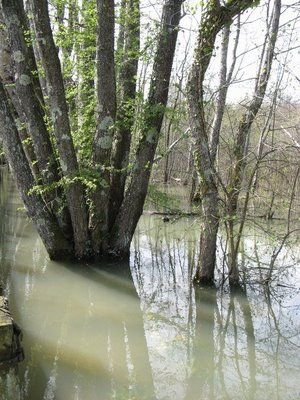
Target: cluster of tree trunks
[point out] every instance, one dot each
(43, 157)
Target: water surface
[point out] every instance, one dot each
(141, 331)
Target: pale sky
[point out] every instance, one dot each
(251, 39)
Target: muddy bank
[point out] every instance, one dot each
(10, 336)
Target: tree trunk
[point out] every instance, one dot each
(24, 88)
(6, 76)
(214, 18)
(127, 76)
(56, 244)
(208, 239)
(26, 100)
(60, 119)
(239, 162)
(132, 206)
(106, 115)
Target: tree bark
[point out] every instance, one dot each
(239, 163)
(132, 206)
(55, 242)
(214, 18)
(6, 77)
(106, 115)
(60, 119)
(242, 138)
(127, 77)
(208, 240)
(225, 81)
(24, 91)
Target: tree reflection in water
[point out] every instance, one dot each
(144, 332)
(201, 380)
(213, 344)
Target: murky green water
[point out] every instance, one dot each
(141, 331)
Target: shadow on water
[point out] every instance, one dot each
(126, 358)
(111, 357)
(141, 330)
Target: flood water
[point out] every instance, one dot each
(141, 331)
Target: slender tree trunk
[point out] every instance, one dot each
(60, 119)
(167, 156)
(106, 114)
(127, 76)
(56, 244)
(167, 169)
(239, 163)
(132, 206)
(68, 31)
(86, 57)
(194, 185)
(190, 168)
(214, 18)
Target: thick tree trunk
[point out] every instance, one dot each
(127, 76)
(6, 76)
(60, 119)
(24, 88)
(56, 244)
(132, 206)
(106, 114)
(208, 239)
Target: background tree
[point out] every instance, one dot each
(214, 18)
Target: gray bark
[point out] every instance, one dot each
(59, 113)
(242, 137)
(132, 206)
(106, 114)
(239, 163)
(6, 76)
(24, 88)
(56, 244)
(128, 60)
(85, 50)
(225, 80)
(208, 239)
(214, 18)
(24, 93)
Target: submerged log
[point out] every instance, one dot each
(10, 336)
